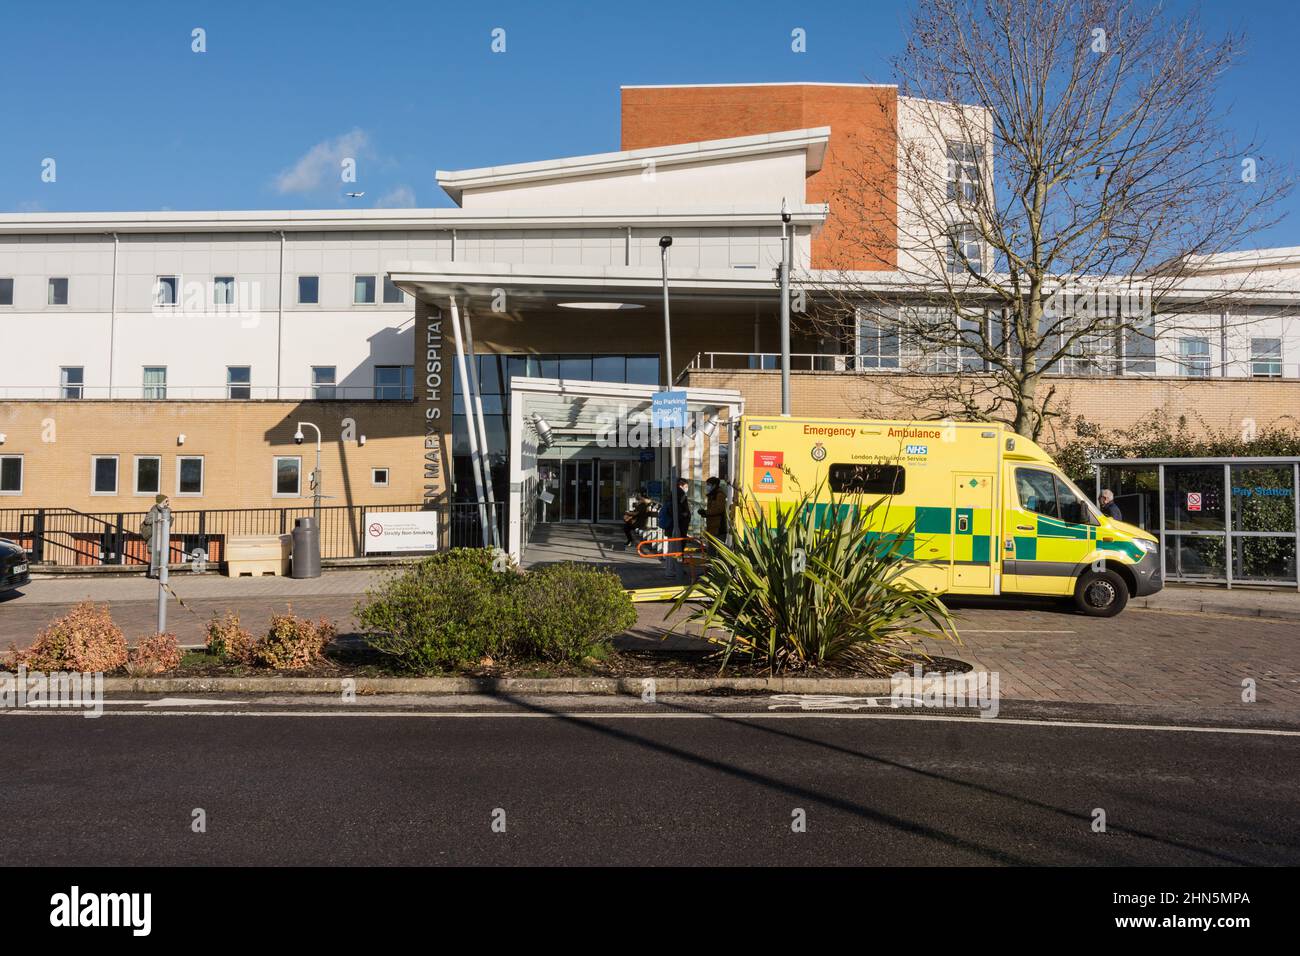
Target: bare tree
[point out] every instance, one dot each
(1062, 169)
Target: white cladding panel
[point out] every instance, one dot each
(741, 181)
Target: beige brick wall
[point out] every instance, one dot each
(1113, 403)
(238, 442)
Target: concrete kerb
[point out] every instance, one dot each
(613, 686)
(1223, 609)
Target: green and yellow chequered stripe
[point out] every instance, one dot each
(932, 536)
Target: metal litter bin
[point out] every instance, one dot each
(306, 548)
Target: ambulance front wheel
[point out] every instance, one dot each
(1100, 594)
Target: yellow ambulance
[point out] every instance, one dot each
(989, 512)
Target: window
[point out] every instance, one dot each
(877, 341)
(392, 293)
(1070, 504)
(103, 475)
(322, 382)
(1139, 345)
(1047, 494)
(855, 479)
(288, 477)
(609, 368)
(166, 290)
(379, 477)
(223, 290)
(394, 382)
(11, 474)
(148, 474)
(6, 291)
(1266, 358)
(239, 380)
(189, 475)
(308, 290)
(155, 381)
(1037, 490)
(964, 249)
(57, 292)
(1194, 356)
(363, 290)
(72, 381)
(643, 369)
(963, 172)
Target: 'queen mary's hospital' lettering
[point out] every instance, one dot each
(433, 484)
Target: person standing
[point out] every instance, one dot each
(1108, 506)
(714, 511)
(683, 509)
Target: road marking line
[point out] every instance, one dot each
(598, 715)
(998, 630)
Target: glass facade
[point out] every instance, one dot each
(1222, 522)
(494, 374)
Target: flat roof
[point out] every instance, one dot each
(342, 220)
(688, 86)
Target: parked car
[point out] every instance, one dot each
(13, 566)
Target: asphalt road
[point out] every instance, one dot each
(633, 784)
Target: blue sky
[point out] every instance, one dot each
(136, 120)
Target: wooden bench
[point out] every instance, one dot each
(258, 554)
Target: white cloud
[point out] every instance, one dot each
(322, 164)
(399, 197)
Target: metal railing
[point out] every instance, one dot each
(64, 537)
(951, 364)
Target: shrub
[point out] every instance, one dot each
(814, 583)
(228, 640)
(449, 609)
(292, 643)
(84, 639)
(154, 655)
(567, 612)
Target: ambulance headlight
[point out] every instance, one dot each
(1148, 546)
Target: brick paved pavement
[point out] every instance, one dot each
(1142, 657)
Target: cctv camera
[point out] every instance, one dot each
(297, 437)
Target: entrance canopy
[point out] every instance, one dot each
(598, 423)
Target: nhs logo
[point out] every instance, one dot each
(918, 449)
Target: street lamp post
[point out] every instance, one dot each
(787, 241)
(670, 565)
(316, 474)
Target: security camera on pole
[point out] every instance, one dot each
(316, 474)
(306, 532)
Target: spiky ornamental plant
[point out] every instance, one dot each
(812, 584)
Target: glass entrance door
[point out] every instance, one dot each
(578, 489)
(612, 490)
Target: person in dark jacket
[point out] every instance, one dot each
(635, 518)
(714, 511)
(1108, 506)
(683, 509)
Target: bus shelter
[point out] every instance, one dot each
(1231, 521)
